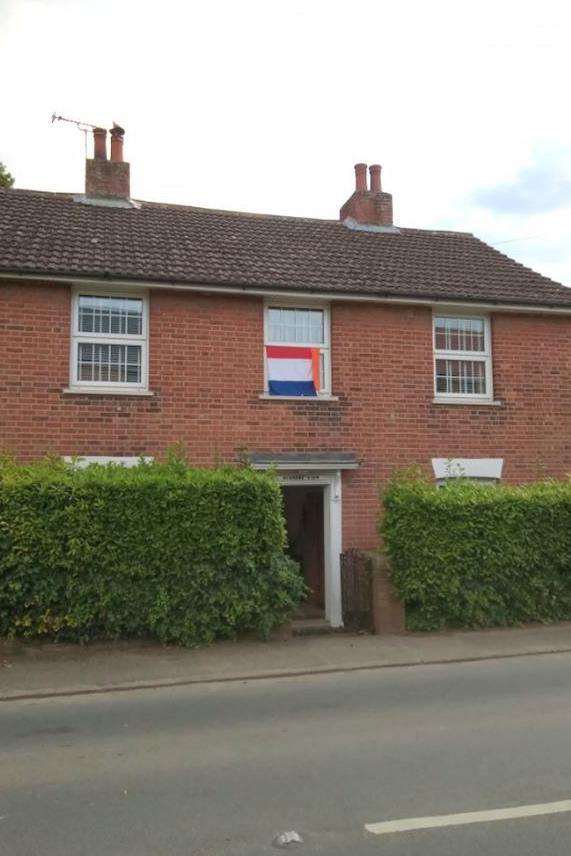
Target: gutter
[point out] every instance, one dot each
(306, 294)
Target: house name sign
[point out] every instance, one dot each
(301, 476)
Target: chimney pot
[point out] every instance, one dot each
(107, 179)
(375, 173)
(100, 143)
(117, 137)
(360, 177)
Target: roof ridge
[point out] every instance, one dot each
(13, 191)
(254, 214)
(417, 230)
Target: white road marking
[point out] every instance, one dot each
(409, 823)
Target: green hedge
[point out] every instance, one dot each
(154, 551)
(470, 555)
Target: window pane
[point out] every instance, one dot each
(109, 363)
(459, 334)
(298, 326)
(465, 377)
(114, 316)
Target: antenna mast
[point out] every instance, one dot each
(81, 126)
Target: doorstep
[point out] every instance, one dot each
(313, 627)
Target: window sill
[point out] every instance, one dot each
(88, 390)
(265, 396)
(473, 402)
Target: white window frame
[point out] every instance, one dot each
(324, 347)
(78, 337)
(484, 356)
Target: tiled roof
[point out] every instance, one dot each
(50, 233)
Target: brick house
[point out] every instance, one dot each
(127, 327)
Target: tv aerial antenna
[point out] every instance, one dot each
(85, 127)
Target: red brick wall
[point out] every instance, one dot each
(206, 372)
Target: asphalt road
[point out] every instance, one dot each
(221, 769)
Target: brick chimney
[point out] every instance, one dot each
(369, 206)
(107, 179)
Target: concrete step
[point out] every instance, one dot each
(313, 627)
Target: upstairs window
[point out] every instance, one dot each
(297, 351)
(109, 341)
(462, 358)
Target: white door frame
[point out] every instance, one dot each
(330, 480)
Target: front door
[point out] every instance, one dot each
(303, 508)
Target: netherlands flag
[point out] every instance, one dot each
(293, 371)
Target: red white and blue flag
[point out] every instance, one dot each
(293, 371)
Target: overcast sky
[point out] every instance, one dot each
(264, 105)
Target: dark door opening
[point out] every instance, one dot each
(303, 508)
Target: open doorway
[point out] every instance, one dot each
(303, 509)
